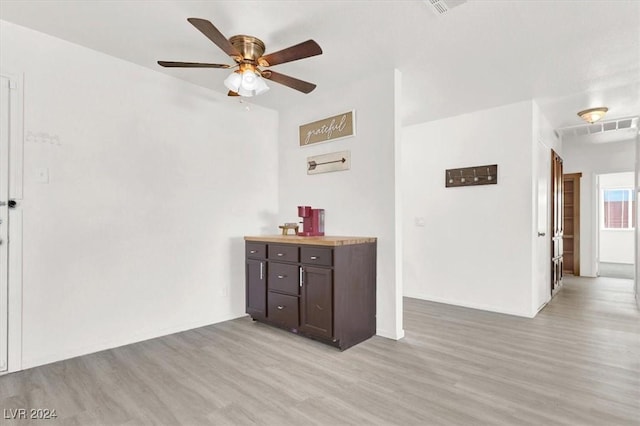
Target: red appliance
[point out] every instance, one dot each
(312, 221)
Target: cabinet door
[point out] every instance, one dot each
(256, 288)
(316, 302)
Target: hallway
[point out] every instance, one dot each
(603, 300)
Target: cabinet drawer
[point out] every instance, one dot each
(283, 310)
(284, 277)
(286, 253)
(256, 250)
(317, 256)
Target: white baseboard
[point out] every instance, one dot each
(470, 305)
(30, 362)
(390, 334)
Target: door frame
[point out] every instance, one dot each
(636, 280)
(16, 181)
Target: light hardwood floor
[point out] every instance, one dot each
(576, 363)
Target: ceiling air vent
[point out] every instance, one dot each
(601, 132)
(440, 7)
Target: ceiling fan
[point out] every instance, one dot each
(248, 53)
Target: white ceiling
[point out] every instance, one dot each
(568, 55)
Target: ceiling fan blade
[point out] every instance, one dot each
(299, 51)
(212, 33)
(232, 93)
(170, 64)
(294, 83)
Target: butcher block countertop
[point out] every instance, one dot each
(312, 241)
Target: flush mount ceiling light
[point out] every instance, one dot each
(592, 115)
(248, 54)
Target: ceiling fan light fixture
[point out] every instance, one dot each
(246, 93)
(233, 81)
(249, 79)
(261, 87)
(246, 83)
(592, 115)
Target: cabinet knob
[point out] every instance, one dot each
(314, 258)
(282, 276)
(253, 251)
(280, 307)
(280, 254)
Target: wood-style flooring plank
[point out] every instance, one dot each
(576, 363)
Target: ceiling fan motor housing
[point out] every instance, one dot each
(251, 48)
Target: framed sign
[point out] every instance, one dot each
(332, 162)
(329, 129)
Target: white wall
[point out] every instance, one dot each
(138, 232)
(360, 201)
(475, 248)
(591, 160)
(615, 245)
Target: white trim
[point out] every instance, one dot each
(481, 307)
(398, 212)
(15, 291)
(387, 334)
(5, 122)
(122, 340)
(16, 183)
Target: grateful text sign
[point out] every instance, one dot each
(329, 129)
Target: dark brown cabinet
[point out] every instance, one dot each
(319, 287)
(256, 283)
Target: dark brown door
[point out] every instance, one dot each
(557, 222)
(571, 227)
(256, 288)
(316, 302)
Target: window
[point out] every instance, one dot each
(619, 208)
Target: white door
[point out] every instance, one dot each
(542, 237)
(4, 221)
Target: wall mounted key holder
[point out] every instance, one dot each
(471, 176)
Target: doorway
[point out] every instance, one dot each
(616, 225)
